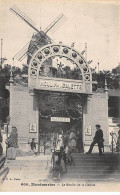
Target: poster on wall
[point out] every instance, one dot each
(33, 128)
(88, 131)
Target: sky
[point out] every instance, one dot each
(96, 23)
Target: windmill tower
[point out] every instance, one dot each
(38, 40)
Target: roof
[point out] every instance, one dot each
(40, 39)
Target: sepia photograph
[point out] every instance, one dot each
(59, 96)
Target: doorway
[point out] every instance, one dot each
(59, 111)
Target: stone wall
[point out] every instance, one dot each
(22, 113)
(97, 113)
(24, 110)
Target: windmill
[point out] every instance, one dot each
(40, 38)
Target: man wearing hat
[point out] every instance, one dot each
(97, 139)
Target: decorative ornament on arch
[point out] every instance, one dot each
(61, 51)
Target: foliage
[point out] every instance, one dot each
(4, 93)
(112, 78)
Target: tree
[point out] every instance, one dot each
(4, 94)
(112, 78)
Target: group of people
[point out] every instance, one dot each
(69, 139)
(65, 145)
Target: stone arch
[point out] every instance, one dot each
(60, 50)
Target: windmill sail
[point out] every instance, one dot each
(37, 41)
(56, 23)
(22, 52)
(40, 36)
(23, 16)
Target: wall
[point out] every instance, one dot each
(24, 110)
(22, 113)
(97, 113)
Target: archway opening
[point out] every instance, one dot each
(59, 111)
(60, 68)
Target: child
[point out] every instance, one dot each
(33, 146)
(62, 157)
(57, 170)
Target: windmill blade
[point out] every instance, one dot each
(23, 16)
(22, 51)
(59, 23)
(26, 49)
(56, 23)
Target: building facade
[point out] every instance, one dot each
(57, 97)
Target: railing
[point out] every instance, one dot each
(3, 170)
(114, 141)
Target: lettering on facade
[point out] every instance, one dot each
(61, 85)
(60, 119)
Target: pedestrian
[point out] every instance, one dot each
(70, 159)
(33, 145)
(60, 141)
(57, 170)
(72, 139)
(62, 158)
(12, 143)
(66, 139)
(78, 141)
(97, 139)
(1, 149)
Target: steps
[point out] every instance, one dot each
(91, 167)
(3, 170)
(29, 168)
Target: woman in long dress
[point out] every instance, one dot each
(12, 143)
(72, 139)
(60, 141)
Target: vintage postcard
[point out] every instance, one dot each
(59, 95)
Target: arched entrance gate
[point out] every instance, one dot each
(59, 97)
